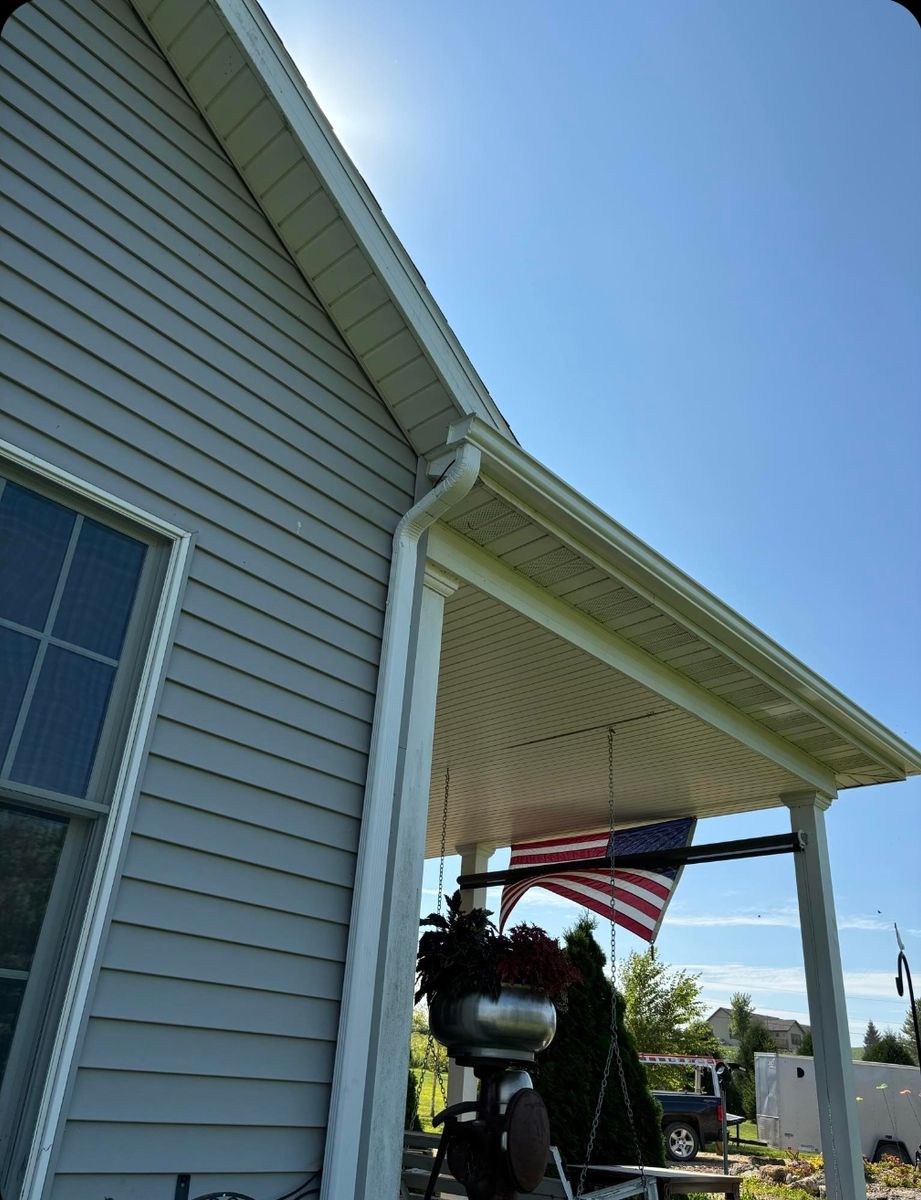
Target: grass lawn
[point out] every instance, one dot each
(748, 1143)
(425, 1081)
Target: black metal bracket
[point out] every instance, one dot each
(760, 847)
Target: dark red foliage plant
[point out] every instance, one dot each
(463, 952)
(531, 958)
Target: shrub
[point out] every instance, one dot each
(569, 1070)
(740, 1095)
(889, 1049)
(893, 1173)
(411, 1117)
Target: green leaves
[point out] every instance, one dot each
(663, 1008)
(464, 952)
(459, 954)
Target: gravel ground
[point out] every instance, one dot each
(776, 1172)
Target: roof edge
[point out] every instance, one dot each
(643, 567)
(264, 51)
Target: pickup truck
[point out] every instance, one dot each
(688, 1121)
(693, 1116)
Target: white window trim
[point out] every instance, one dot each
(118, 825)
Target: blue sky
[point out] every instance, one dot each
(682, 245)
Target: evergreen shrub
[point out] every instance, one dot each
(569, 1071)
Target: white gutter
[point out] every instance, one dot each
(347, 1101)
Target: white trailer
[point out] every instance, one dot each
(888, 1103)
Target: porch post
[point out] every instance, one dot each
(831, 1039)
(378, 1129)
(462, 1083)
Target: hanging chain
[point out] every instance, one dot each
(430, 1059)
(614, 1053)
(444, 837)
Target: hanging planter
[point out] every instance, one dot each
(513, 1025)
(490, 996)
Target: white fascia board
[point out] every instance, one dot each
(485, 572)
(577, 521)
(263, 50)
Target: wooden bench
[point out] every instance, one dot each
(419, 1152)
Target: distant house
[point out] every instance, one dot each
(788, 1035)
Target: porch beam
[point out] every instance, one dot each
(834, 1069)
(485, 572)
(759, 847)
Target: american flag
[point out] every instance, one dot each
(641, 897)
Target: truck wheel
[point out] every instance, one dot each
(681, 1141)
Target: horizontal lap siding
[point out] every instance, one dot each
(157, 341)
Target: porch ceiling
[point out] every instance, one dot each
(521, 721)
(566, 623)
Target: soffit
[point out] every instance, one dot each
(247, 88)
(493, 523)
(522, 720)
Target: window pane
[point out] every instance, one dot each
(17, 653)
(11, 991)
(64, 723)
(100, 589)
(34, 533)
(30, 846)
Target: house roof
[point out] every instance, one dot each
(247, 88)
(779, 1024)
(773, 725)
(772, 1024)
(712, 717)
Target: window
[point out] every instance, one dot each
(76, 591)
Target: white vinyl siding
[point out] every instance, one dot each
(159, 342)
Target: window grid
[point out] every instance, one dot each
(43, 637)
(14, 769)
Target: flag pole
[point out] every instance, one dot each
(760, 847)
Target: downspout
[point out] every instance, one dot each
(350, 1074)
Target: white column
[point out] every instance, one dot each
(378, 1130)
(831, 1038)
(462, 1083)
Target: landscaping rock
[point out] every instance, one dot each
(813, 1185)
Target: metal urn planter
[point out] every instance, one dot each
(514, 1027)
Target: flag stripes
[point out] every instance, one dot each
(640, 896)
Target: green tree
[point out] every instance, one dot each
(740, 1096)
(741, 1014)
(908, 1032)
(569, 1071)
(889, 1049)
(805, 1046)
(870, 1038)
(662, 1007)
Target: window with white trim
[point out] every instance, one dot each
(77, 587)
